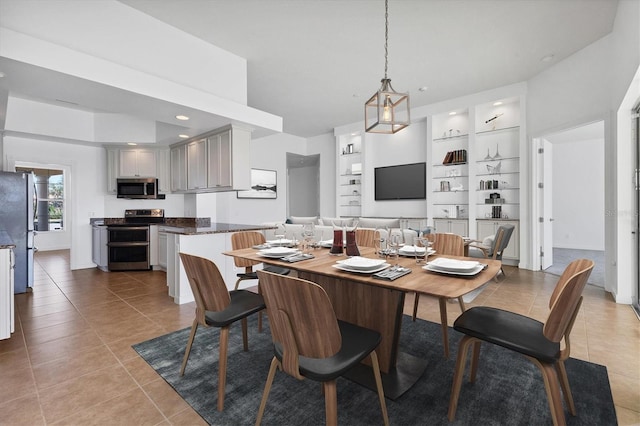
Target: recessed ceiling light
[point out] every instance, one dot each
(131, 143)
(547, 58)
(497, 103)
(423, 89)
(183, 136)
(452, 113)
(182, 117)
(2, 74)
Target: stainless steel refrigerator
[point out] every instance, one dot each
(16, 218)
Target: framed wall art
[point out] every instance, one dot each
(263, 185)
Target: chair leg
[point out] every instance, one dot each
(415, 306)
(187, 350)
(458, 375)
(461, 303)
(245, 338)
(222, 366)
(474, 360)
(376, 373)
(237, 283)
(566, 389)
(443, 321)
(331, 403)
(553, 391)
(267, 388)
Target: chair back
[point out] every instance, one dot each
(301, 317)
(501, 241)
(367, 237)
(447, 244)
(207, 285)
(246, 239)
(566, 299)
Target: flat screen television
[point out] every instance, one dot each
(402, 182)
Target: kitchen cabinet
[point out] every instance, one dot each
(162, 250)
(164, 171)
(490, 227)
(137, 163)
(178, 159)
(229, 164)
(153, 246)
(453, 226)
(197, 164)
(215, 161)
(99, 249)
(7, 307)
(112, 170)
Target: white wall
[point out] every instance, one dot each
(302, 184)
(578, 195)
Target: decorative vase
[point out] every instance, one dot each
(352, 247)
(337, 246)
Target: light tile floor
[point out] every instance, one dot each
(70, 360)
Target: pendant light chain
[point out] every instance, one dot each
(386, 36)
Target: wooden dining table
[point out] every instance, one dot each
(378, 304)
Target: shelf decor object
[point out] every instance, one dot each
(387, 111)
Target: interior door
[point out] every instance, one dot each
(636, 132)
(546, 256)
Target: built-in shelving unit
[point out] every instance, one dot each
(350, 163)
(450, 167)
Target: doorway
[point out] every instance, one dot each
(571, 198)
(303, 185)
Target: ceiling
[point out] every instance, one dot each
(315, 62)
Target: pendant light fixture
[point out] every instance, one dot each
(387, 111)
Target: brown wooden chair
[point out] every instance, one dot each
(309, 342)
(367, 237)
(449, 245)
(539, 342)
(217, 307)
(246, 239)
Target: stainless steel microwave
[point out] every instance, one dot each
(137, 188)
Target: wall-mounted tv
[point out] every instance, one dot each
(402, 182)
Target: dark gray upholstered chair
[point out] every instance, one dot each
(217, 307)
(310, 342)
(497, 247)
(537, 341)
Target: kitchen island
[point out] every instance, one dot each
(204, 241)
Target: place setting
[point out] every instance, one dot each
(448, 266)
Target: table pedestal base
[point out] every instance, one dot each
(397, 381)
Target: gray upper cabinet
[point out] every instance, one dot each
(137, 163)
(178, 168)
(216, 161)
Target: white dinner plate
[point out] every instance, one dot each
(363, 263)
(277, 252)
(472, 272)
(280, 242)
(411, 251)
(325, 243)
(453, 265)
(343, 267)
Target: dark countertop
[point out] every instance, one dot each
(5, 241)
(214, 228)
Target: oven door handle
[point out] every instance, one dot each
(128, 244)
(128, 228)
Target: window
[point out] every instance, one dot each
(49, 198)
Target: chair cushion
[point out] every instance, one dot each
(243, 303)
(509, 330)
(277, 270)
(357, 343)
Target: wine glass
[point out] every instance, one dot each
(395, 242)
(308, 233)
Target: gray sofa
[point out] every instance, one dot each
(292, 228)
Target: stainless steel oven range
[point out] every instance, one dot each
(128, 242)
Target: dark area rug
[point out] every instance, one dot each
(508, 391)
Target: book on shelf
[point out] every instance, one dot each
(455, 157)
